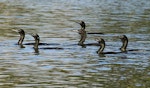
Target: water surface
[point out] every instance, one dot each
(74, 66)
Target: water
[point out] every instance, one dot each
(74, 67)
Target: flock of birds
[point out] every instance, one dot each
(83, 35)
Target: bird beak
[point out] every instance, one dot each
(97, 39)
(115, 36)
(120, 37)
(32, 34)
(77, 22)
(15, 30)
(76, 31)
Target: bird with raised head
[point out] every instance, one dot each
(37, 40)
(83, 26)
(124, 40)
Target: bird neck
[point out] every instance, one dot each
(101, 49)
(36, 43)
(22, 36)
(124, 45)
(83, 37)
(83, 28)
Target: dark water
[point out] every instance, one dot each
(75, 67)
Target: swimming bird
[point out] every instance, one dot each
(22, 36)
(124, 40)
(83, 36)
(37, 40)
(83, 26)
